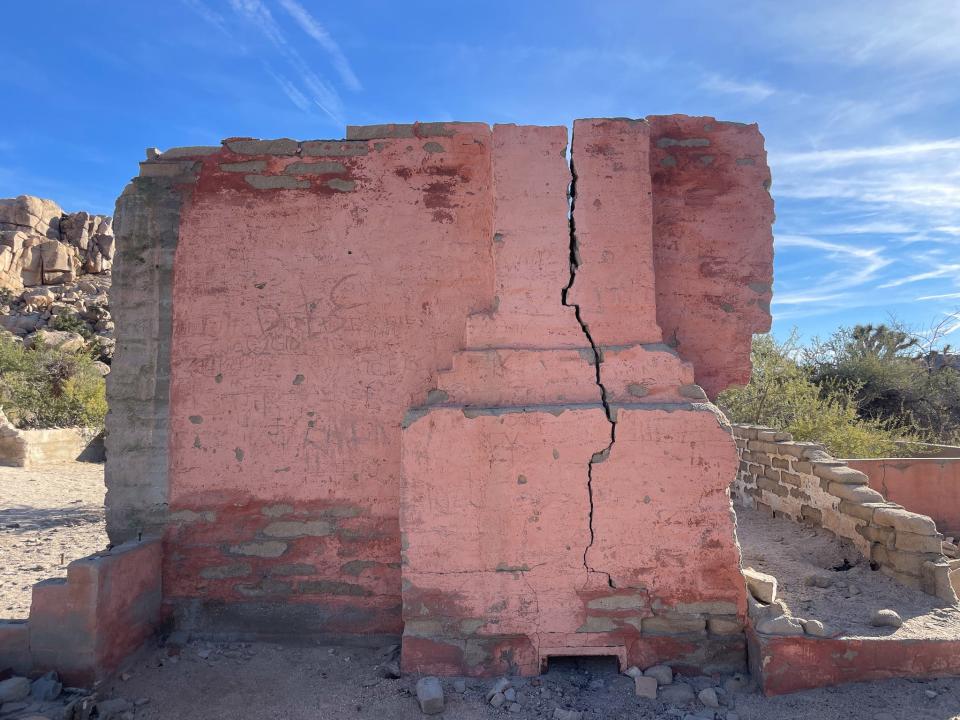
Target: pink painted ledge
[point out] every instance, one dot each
(87, 625)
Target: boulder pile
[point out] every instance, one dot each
(55, 275)
(42, 245)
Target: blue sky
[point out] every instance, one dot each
(858, 101)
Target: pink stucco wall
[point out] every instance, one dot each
(929, 486)
(587, 514)
(340, 309)
(306, 322)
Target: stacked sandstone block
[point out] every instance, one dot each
(804, 482)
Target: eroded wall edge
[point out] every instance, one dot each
(147, 226)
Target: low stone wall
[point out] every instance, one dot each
(804, 482)
(35, 448)
(86, 625)
(930, 486)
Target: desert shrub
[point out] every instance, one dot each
(45, 387)
(782, 395)
(884, 370)
(71, 322)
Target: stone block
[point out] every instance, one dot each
(772, 486)
(839, 473)
(790, 478)
(673, 625)
(728, 625)
(645, 687)
(857, 510)
(760, 585)
(904, 520)
(430, 695)
(910, 563)
(811, 515)
(854, 493)
(911, 542)
(877, 534)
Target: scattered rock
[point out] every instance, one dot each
(645, 687)
(14, 689)
(390, 670)
(930, 693)
(510, 694)
(112, 709)
(886, 618)
(708, 696)
(430, 695)
(762, 586)
(514, 707)
(59, 339)
(561, 714)
(46, 688)
(676, 694)
(633, 671)
(780, 625)
(820, 581)
(737, 683)
(460, 685)
(815, 628)
(498, 687)
(497, 700)
(662, 673)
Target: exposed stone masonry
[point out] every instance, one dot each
(803, 481)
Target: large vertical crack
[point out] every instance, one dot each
(597, 359)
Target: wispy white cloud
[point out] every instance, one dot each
(315, 30)
(853, 267)
(291, 91)
(321, 93)
(823, 159)
(209, 14)
(943, 271)
(753, 91)
(942, 296)
(887, 33)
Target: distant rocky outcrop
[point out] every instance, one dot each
(42, 245)
(55, 274)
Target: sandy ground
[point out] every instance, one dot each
(224, 682)
(46, 513)
(795, 553)
(48, 517)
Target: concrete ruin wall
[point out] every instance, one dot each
(929, 486)
(305, 328)
(802, 481)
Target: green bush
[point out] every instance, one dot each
(71, 322)
(46, 388)
(782, 395)
(890, 379)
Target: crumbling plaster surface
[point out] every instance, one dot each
(596, 523)
(313, 292)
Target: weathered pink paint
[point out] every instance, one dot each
(87, 625)
(392, 399)
(532, 525)
(929, 486)
(615, 282)
(713, 244)
(328, 315)
(788, 664)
